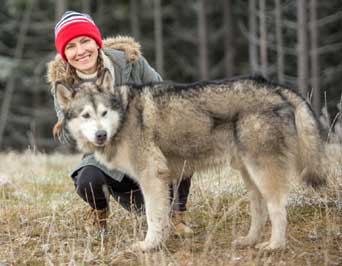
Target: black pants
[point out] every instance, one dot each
(91, 184)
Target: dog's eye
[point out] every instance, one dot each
(86, 115)
(104, 113)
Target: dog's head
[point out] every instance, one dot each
(93, 111)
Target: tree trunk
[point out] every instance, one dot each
(279, 36)
(18, 54)
(263, 38)
(203, 40)
(134, 18)
(252, 24)
(99, 14)
(228, 38)
(85, 6)
(303, 57)
(60, 8)
(315, 75)
(158, 36)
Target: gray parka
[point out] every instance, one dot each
(129, 66)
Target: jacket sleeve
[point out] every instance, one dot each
(147, 73)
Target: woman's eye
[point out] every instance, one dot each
(104, 113)
(85, 40)
(86, 115)
(69, 46)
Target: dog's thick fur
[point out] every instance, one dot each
(157, 131)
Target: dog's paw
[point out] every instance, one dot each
(270, 246)
(144, 246)
(118, 256)
(139, 246)
(243, 241)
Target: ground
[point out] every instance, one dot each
(42, 222)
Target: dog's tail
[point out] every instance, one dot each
(310, 144)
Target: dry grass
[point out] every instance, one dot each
(41, 221)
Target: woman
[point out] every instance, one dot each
(81, 55)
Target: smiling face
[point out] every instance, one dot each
(82, 52)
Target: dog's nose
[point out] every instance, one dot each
(101, 135)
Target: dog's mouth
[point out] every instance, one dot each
(100, 143)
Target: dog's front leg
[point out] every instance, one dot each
(154, 185)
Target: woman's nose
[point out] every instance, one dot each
(80, 49)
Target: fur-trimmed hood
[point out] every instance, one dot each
(57, 68)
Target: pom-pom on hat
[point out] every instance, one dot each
(74, 24)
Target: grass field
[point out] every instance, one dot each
(42, 221)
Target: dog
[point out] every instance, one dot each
(157, 131)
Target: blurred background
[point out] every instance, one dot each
(296, 43)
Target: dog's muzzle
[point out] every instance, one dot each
(100, 137)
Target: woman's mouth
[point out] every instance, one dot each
(83, 59)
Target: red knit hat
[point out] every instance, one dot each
(74, 24)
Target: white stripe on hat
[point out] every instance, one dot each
(70, 21)
(71, 17)
(69, 14)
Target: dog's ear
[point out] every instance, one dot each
(63, 95)
(105, 81)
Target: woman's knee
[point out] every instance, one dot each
(90, 183)
(90, 177)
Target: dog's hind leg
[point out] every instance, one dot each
(270, 178)
(258, 210)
